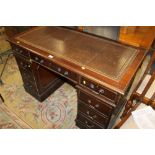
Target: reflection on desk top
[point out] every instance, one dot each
(102, 56)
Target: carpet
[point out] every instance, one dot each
(9, 120)
(21, 110)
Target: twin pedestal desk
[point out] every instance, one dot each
(100, 69)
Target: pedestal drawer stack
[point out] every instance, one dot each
(96, 105)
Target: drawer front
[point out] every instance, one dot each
(23, 64)
(20, 51)
(25, 69)
(92, 114)
(65, 72)
(53, 66)
(99, 89)
(96, 104)
(80, 125)
(88, 123)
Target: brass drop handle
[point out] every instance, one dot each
(42, 61)
(59, 69)
(97, 105)
(89, 125)
(36, 58)
(89, 101)
(92, 86)
(101, 91)
(92, 117)
(66, 73)
(87, 112)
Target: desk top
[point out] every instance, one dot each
(105, 61)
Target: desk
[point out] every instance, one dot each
(100, 69)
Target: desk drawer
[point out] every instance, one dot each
(92, 114)
(80, 124)
(64, 72)
(55, 67)
(23, 64)
(21, 51)
(99, 89)
(25, 68)
(101, 106)
(88, 123)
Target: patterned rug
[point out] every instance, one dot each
(21, 110)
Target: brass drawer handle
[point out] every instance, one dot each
(101, 91)
(97, 105)
(59, 69)
(94, 107)
(92, 86)
(66, 73)
(89, 125)
(41, 61)
(36, 58)
(87, 112)
(89, 101)
(92, 117)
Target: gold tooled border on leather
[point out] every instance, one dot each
(115, 78)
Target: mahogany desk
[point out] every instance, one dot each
(100, 69)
